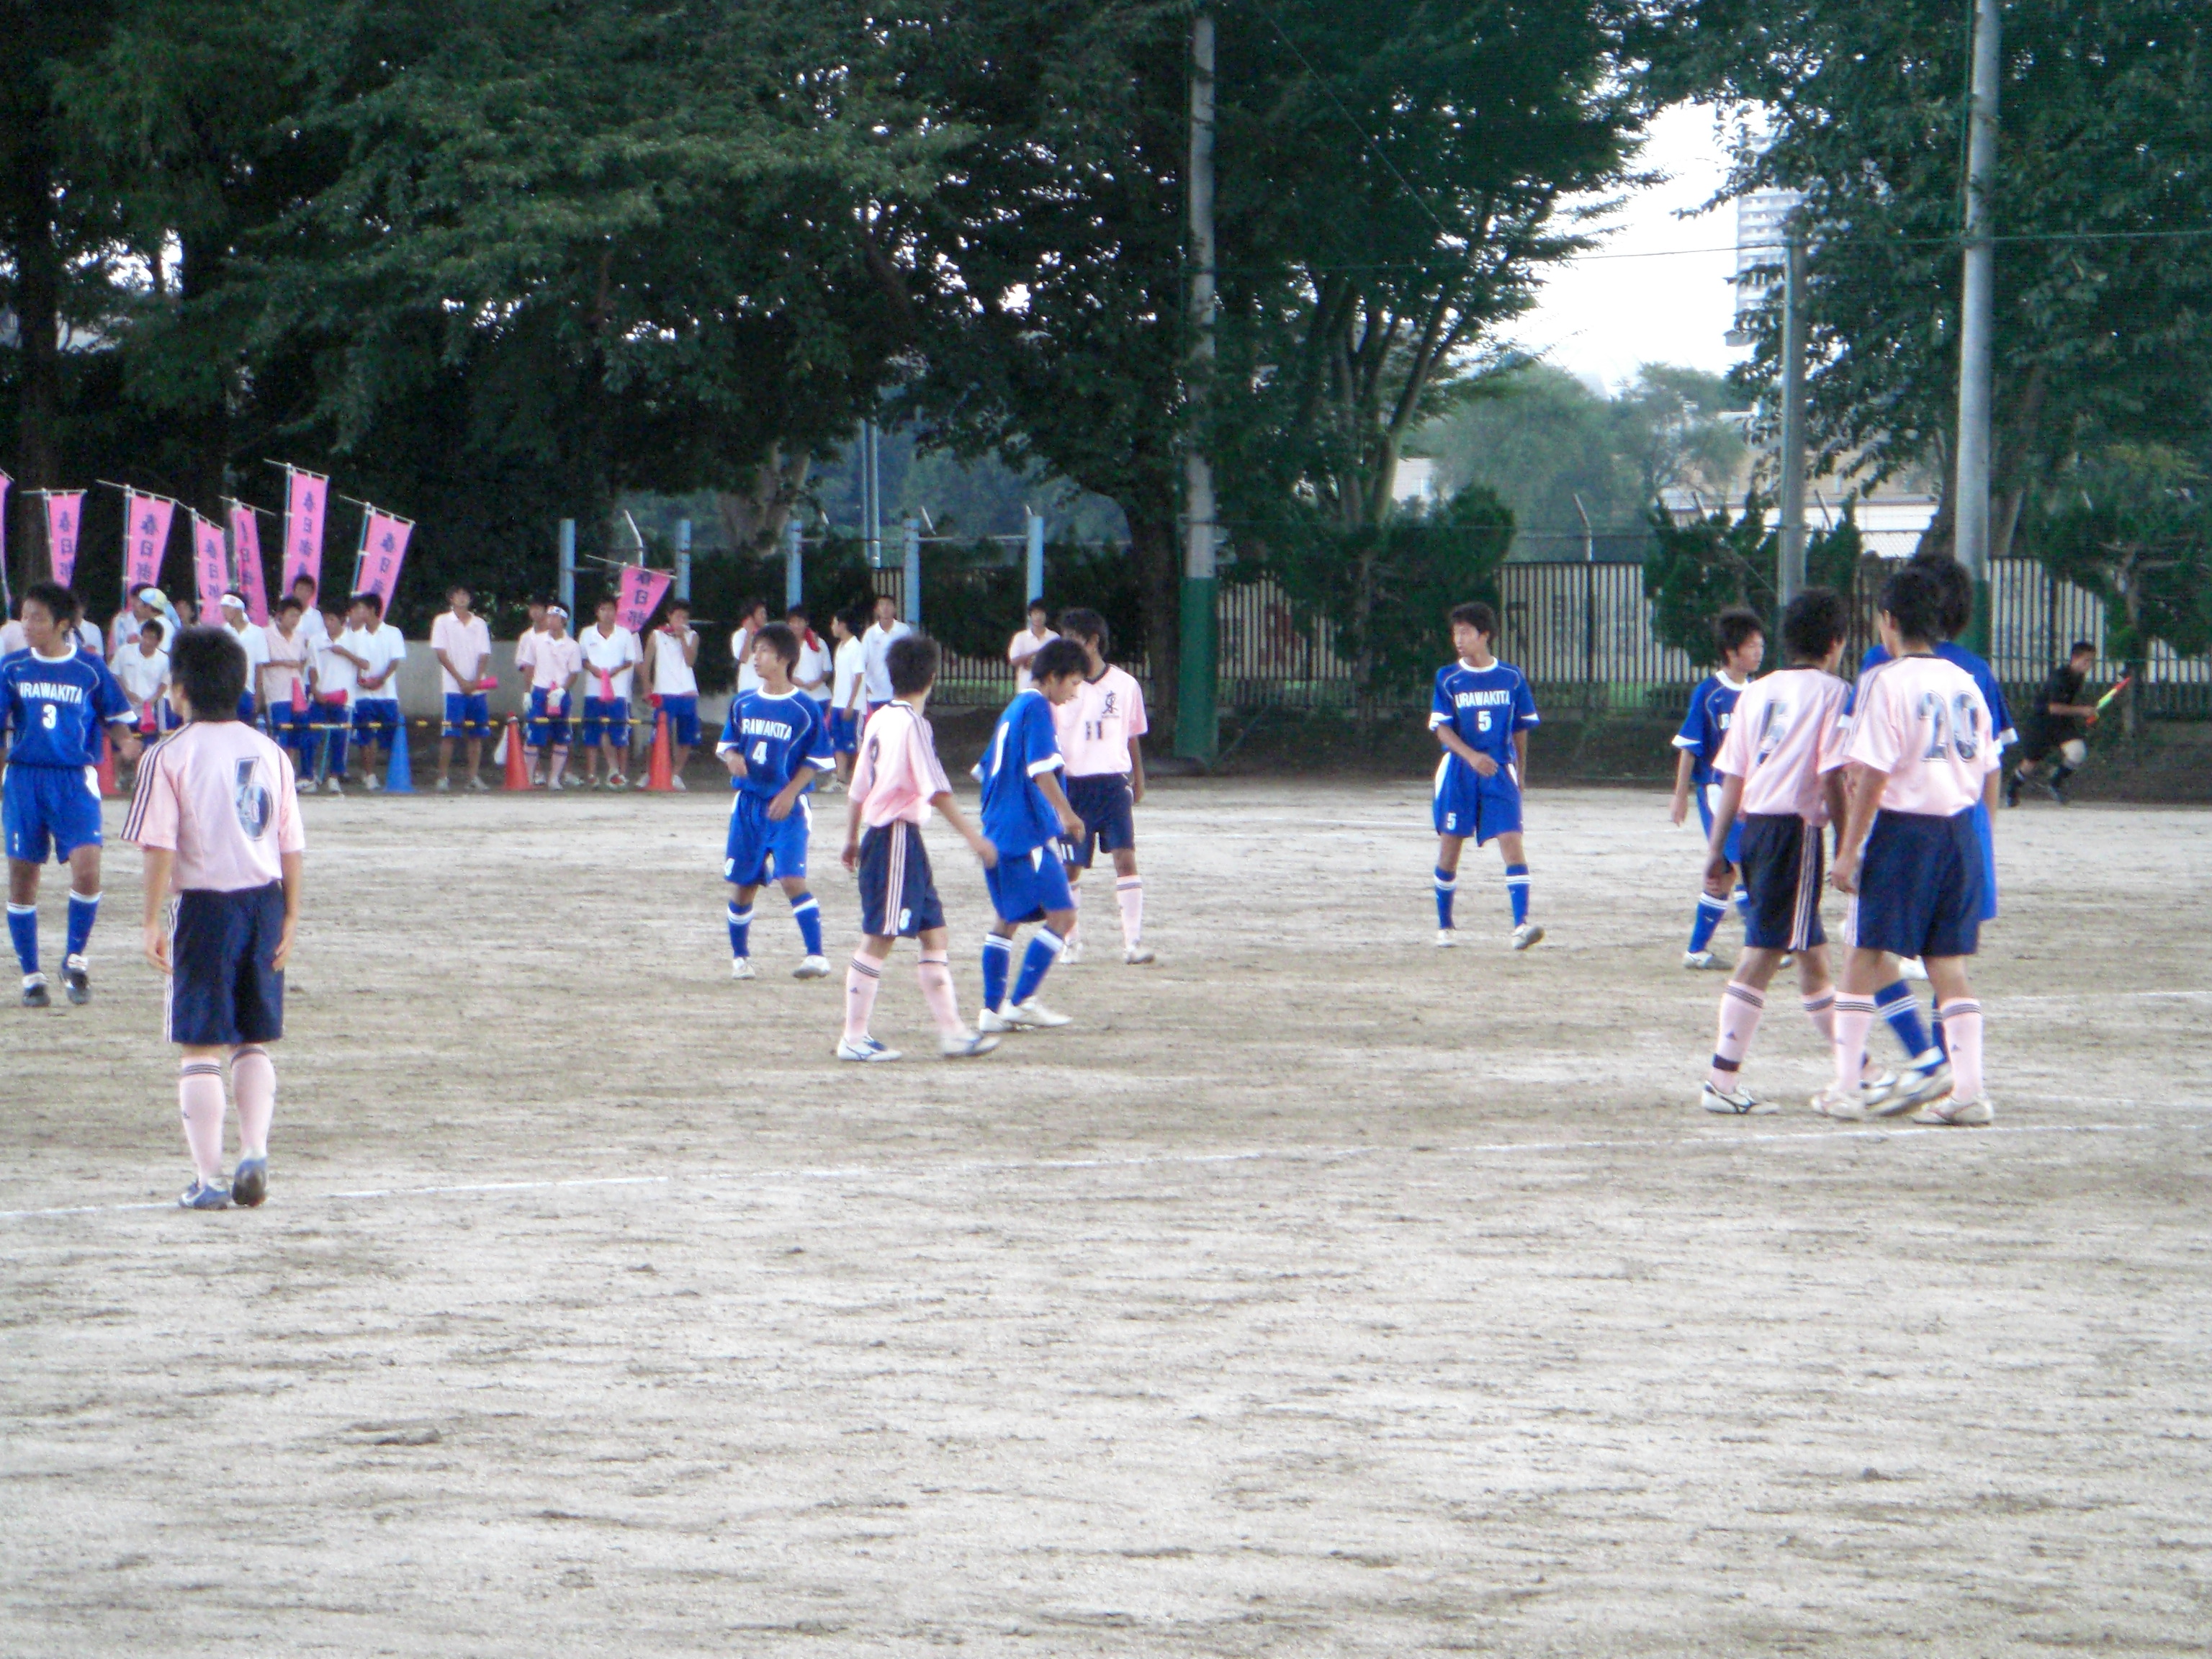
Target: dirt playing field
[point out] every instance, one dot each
(1317, 1293)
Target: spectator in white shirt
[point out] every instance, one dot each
(1027, 643)
(672, 652)
(610, 655)
(749, 623)
(876, 643)
(461, 641)
(232, 611)
(143, 671)
(845, 717)
(375, 649)
(337, 679)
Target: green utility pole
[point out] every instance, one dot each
(1198, 728)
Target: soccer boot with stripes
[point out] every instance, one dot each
(1526, 935)
(76, 981)
(1701, 959)
(966, 1045)
(1848, 1106)
(1975, 1114)
(1736, 1102)
(249, 1182)
(204, 1195)
(1920, 1084)
(866, 1051)
(1032, 1016)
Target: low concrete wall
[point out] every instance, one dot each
(422, 697)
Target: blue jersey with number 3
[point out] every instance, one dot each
(54, 710)
(777, 735)
(1484, 707)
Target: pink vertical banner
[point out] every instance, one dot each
(210, 558)
(383, 546)
(145, 537)
(307, 498)
(7, 599)
(637, 594)
(64, 511)
(253, 581)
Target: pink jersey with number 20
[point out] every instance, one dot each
(1924, 722)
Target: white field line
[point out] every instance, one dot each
(884, 1173)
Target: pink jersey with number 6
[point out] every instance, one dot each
(1924, 722)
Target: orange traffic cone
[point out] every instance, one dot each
(659, 777)
(108, 767)
(518, 765)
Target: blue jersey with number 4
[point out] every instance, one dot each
(776, 736)
(1017, 818)
(54, 710)
(1484, 707)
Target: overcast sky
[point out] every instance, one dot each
(1602, 314)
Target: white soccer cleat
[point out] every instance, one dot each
(478, 786)
(1447, 940)
(867, 1051)
(368, 782)
(1916, 1086)
(333, 787)
(966, 1045)
(1975, 1114)
(678, 784)
(742, 968)
(991, 1022)
(1735, 1102)
(1697, 959)
(1526, 935)
(1911, 968)
(1850, 1107)
(1137, 956)
(1070, 953)
(1033, 1015)
(443, 786)
(813, 968)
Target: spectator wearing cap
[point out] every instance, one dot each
(256, 645)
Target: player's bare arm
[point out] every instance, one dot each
(293, 865)
(1863, 794)
(125, 733)
(1483, 765)
(733, 757)
(982, 848)
(1685, 764)
(787, 797)
(850, 858)
(1720, 873)
(1136, 771)
(1521, 755)
(159, 861)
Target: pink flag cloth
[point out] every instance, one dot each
(210, 565)
(145, 537)
(6, 484)
(383, 546)
(305, 498)
(253, 581)
(637, 593)
(64, 507)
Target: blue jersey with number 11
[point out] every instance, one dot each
(1484, 707)
(54, 710)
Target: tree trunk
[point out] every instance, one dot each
(1153, 545)
(753, 520)
(28, 215)
(204, 427)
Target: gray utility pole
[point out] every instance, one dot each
(872, 496)
(1977, 319)
(1197, 728)
(1790, 462)
(795, 567)
(683, 560)
(569, 569)
(1035, 548)
(910, 567)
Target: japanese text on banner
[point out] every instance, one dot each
(64, 509)
(307, 497)
(145, 537)
(639, 591)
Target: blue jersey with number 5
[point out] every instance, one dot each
(777, 735)
(1484, 707)
(54, 710)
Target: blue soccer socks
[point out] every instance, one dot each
(1897, 1007)
(23, 933)
(83, 911)
(1710, 912)
(1045, 947)
(998, 963)
(1517, 889)
(741, 925)
(808, 914)
(1447, 886)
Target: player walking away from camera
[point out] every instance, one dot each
(1923, 748)
(1027, 643)
(461, 641)
(2059, 723)
(218, 819)
(611, 655)
(847, 666)
(1481, 714)
(1101, 728)
(283, 690)
(896, 782)
(337, 679)
(555, 661)
(255, 643)
(751, 620)
(1025, 815)
(1781, 785)
(672, 662)
(875, 653)
(375, 649)
(54, 698)
(774, 745)
(1742, 639)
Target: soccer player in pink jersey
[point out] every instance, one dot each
(1779, 764)
(217, 817)
(1921, 747)
(896, 782)
(1100, 730)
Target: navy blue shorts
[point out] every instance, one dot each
(682, 720)
(468, 714)
(374, 719)
(1108, 812)
(223, 986)
(1781, 860)
(1920, 886)
(544, 728)
(898, 899)
(844, 732)
(762, 850)
(1707, 793)
(1473, 807)
(1027, 886)
(49, 807)
(606, 720)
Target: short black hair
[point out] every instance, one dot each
(374, 601)
(56, 600)
(1081, 623)
(1956, 588)
(675, 605)
(1478, 615)
(312, 585)
(210, 663)
(1733, 626)
(287, 603)
(752, 608)
(606, 599)
(798, 610)
(780, 640)
(1914, 601)
(2080, 648)
(1039, 605)
(459, 587)
(1813, 622)
(1058, 656)
(152, 626)
(912, 661)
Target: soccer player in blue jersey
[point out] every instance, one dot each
(1742, 639)
(774, 743)
(54, 697)
(1026, 815)
(1481, 714)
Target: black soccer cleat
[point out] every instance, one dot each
(76, 983)
(34, 992)
(249, 1182)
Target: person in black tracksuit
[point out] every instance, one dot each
(2057, 723)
